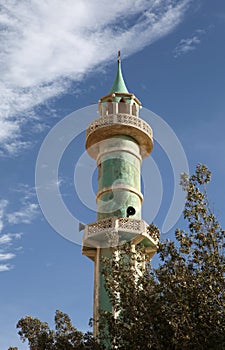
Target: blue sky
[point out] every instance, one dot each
(57, 57)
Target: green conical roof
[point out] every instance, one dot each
(119, 84)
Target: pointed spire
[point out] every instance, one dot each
(119, 84)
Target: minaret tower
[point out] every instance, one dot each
(118, 140)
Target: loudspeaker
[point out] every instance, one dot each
(81, 226)
(130, 211)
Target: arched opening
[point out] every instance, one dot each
(122, 106)
(109, 107)
(134, 109)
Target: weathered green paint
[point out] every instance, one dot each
(119, 178)
(120, 168)
(118, 188)
(116, 203)
(119, 185)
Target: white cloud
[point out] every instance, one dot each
(24, 216)
(5, 267)
(3, 205)
(6, 244)
(188, 44)
(6, 256)
(5, 239)
(28, 207)
(6, 248)
(47, 44)
(28, 210)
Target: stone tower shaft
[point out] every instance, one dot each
(118, 140)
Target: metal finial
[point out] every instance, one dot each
(118, 56)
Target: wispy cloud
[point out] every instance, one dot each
(5, 267)
(24, 216)
(189, 44)
(6, 256)
(5, 239)
(27, 210)
(3, 205)
(3, 258)
(46, 45)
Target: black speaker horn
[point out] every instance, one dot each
(81, 226)
(130, 211)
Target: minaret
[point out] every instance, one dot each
(118, 140)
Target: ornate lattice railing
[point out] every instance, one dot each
(120, 225)
(120, 119)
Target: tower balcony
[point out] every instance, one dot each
(119, 124)
(118, 102)
(114, 231)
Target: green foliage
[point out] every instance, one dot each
(180, 304)
(64, 337)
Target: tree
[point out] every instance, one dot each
(180, 304)
(64, 337)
